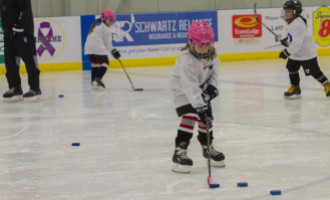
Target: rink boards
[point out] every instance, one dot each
(149, 39)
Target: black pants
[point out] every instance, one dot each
(98, 58)
(310, 66)
(24, 48)
(100, 69)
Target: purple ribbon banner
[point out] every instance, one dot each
(45, 39)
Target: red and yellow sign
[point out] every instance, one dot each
(246, 26)
(321, 26)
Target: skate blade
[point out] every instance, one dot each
(292, 97)
(32, 99)
(181, 168)
(96, 87)
(217, 163)
(13, 99)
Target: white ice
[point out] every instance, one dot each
(127, 138)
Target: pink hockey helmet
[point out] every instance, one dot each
(106, 14)
(200, 32)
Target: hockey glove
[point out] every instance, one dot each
(115, 53)
(284, 54)
(211, 91)
(205, 114)
(285, 43)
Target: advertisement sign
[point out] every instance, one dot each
(247, 35)
(50, 38)
(58, 39)
(321, 26)
(158, 28)
(246, 26)
(148, 35)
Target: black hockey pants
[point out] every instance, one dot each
(24, 48)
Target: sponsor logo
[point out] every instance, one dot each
(152, 29)
(246, 26)
(321, 26)
(122, 30)
(50, 38)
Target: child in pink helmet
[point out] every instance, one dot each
(194, 81)
(98, 47)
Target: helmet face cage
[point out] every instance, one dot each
(200, 55)
(293, 5)
(200, 33)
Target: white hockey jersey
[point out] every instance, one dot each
(302, 46)
(190, 76)
(99, 42)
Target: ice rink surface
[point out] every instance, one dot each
(127, 138)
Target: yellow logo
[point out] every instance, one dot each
(246, 22)
(321, 26)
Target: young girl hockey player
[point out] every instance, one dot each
(301, 51)
(98, 47)
(194, 76)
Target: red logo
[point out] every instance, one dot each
(246, 26)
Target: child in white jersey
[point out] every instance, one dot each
(302, 51)
(194, 77)
(98, 47)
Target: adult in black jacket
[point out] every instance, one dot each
(19, 42)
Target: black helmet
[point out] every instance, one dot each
(293, 5)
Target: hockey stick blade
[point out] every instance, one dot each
(138, 89)
(212, 185)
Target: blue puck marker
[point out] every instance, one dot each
(76, 144)
(276, 192)
(214, 185)
(60, 95)
(242, 184)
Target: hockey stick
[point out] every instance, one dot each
(273, 46)
(135, 89)
(208, 142)
(258, 20)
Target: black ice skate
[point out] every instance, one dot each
(14, 94)
(293, 93)
(181, 162)
(97, 84)
(327, 89)
(217, 158)
(32, 95)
